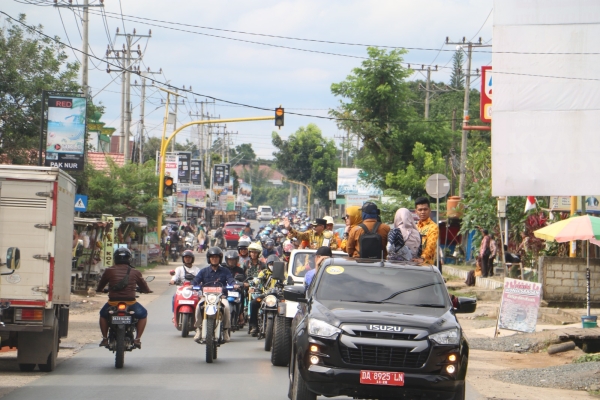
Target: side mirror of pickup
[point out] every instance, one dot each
(295, 293)
(13, 258)
(466, 305)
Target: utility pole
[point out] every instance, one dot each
(428, 88)
(127, 66)
(176, 103)
(85, 40)
(345, 142)
(465, 132)
(142, 111)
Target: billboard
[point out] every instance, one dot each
(349, 182)
(520, 305)
(196, 172)
(485, 113)
(171, 167)
(546, 116)
(220, 176)
(563, 203)
(245, 191)
(65, 132)
(183, 166)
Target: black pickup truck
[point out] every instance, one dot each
(377, 330)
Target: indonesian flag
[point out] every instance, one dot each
(529, 203)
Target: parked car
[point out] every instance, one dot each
(377, 329)
(231, 231)
(251, 213)
(265, 213)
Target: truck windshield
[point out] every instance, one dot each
(372, 284)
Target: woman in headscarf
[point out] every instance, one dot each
(353, 218)
(404, 241)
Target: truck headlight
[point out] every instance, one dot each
(450, 336)
(270, 301)
(322, 329)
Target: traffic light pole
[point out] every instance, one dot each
(165, 143)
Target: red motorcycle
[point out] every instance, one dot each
(184, 308)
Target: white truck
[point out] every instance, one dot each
(301, 261)
(36, 216)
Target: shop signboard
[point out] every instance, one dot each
(65, 132)
(486, 94)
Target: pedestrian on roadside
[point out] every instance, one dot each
(484, 252)
(493, 254)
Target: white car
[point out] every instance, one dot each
(301, 261)
(264, 213)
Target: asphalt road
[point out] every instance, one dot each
(167, 366)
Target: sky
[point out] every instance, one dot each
(257, 74)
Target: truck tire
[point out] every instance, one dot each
(210, 340)
(280, 354)
(51, 361)
(26, 367)
(269, 333)
(120, 353)
(185, 325)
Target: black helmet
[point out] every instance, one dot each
(269, 243)
(231, 255)
(270, 260)
(188, 253)
(214, 251)
(122, 256)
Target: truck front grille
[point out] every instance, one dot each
(385, 335)
(381, 356)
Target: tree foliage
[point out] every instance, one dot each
(263, 191)
(457, 78)
(29, 64)
(130, 189)
(243, 154)
(310, 158)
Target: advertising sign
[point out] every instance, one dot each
(220, 175)
(245, 191)
(520, 305)
(65, 132)
(171, 167)
(349, 182)
(109, 241)
(563, 203)
(183, 166)
(486, 94)
(356, 200)
(196, 172)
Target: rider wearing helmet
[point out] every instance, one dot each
(287, 250)
(232, 262)
(187, 271)
(243, 251)
(254, 265)
(122, 280)
(214, 272)
(255, 304)
(269, 248)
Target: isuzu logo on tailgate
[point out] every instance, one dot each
(385, 328)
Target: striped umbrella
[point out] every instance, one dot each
(585, 227)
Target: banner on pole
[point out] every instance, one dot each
(183, 166)
(65, 132)
(196, 172)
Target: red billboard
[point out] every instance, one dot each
(486, 94)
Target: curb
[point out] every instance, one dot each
(485, 283)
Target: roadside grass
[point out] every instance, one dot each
(594, 357)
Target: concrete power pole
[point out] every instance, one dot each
(141, 125)
(465, 133)
(85, 41)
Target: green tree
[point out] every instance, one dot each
(411, 180)
(243, 154)
(263, 191)
(122, 190)
(309, 158)
(457, 78)
(29, 64)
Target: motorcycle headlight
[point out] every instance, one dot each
(270, 301)
(322, 329)
(211, 298)
(186, 293)
(450, 336)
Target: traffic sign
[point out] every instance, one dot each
(81, 202)
(437, 186)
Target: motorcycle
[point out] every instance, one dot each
(254, 291)
(174, 251)
(234, 297)
(121, 328)
(212, 319)
(269, 305)
(189, 242)
(184, 309)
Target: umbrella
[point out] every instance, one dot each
(576, 228)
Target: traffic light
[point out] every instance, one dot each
(168, 186)
(279, 117)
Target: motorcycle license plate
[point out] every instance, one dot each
(186, 302)
(212, 289)
(121, 319)
(233, 294)
(382, 378)
(173, 248)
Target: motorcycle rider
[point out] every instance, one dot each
(214, 272)
(254, 265)
(220, 237)
(243, 251)
(175, 239)
(232, 262)
(269, 248)
(183, 272)
(123, 273)
(263, 276)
